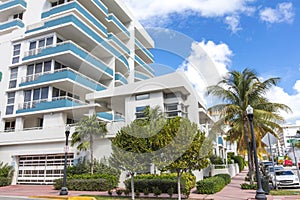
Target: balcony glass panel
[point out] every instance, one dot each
(62, 74)
(11, 25)
(110, 116)
(140, 76)
(79, 8)
(118, 42)
(113, 18)
(65, 47)
(59, 102)
(120, 77)
(143, 48)
(90, 33)
(143, 64)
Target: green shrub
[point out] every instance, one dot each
(240, 161)
(226, 177)
(246, 186)
(83, 167)
(137, 193)
(85, 184)
(216, 160)
(170, 192)
(126, 192)
(119, 192)
(111, 178)
(163, 181)
(6, 174)
(156, 191)
(4, 181)
(146, 191)
(210, 185)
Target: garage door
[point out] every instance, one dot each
(42, 169)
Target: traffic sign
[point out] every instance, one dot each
(269, 139)
(294, 141)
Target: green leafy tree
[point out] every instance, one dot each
(86, 131)
(188, 150)
(237, 91)
(129, 151)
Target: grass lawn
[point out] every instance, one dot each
(285, 192)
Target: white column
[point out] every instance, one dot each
(19, 124)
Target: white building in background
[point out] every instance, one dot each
(289, 132)
(65, 59)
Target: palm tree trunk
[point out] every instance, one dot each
(132, 186)
(92, 154)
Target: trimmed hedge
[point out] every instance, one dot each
(240, 161)
(164, 182)
(85, 184)
(114, 180)
(4, 181)
(226, 177)
(210, 185)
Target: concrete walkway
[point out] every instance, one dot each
(232, 191)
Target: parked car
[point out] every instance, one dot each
(288, 163)
(264, 165)
(270, 171)
(286, 178)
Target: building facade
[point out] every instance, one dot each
(54, 53)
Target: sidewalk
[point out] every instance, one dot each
(232, 191)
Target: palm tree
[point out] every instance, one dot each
(87, 129)
(237, 91)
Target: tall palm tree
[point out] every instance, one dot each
(87, 129)
(237, 91)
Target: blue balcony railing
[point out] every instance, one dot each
(13, 3)
(62, 74)
(101, 6)
(79, 8)
(108, 116)
(59, 102)
(117, 41)
(120, 77)
(141, 76)
(144, 49)
(17, 23)
(89, 32)
(68, 46)
(143, 64)
(113, 18)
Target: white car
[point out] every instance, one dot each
(286, 178)
(270, 170)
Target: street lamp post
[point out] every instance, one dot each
(260, 193)
(64, 189)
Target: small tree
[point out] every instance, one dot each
(128, 151)
(187, 151)
(87, 129)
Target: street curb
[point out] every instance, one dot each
(65, 197)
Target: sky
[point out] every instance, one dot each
(208, 38)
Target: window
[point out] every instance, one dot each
(16, 53)
(36, 94)
(40, 43)
(56, 3)
(10, 125)
(142, 96)
(140, 112)
(58, 65)
(61, 93)
(170, 95)
(171, 107)
(37, 68)
(10, 103)
(13, 77)
(18, 16)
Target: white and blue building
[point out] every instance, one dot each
(65, 59)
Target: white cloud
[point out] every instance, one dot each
(282, 13)
(147, 9)
(207, 64)
(233, 23)
(278, 95)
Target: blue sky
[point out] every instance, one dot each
(259, 34)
